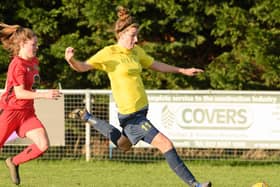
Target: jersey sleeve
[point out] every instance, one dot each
(145, 59)
(17, 73)
(97, 61)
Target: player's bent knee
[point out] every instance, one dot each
(161, 142)
(124, 144)
(43, 147)
(125, 147)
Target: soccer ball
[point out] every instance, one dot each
(260, 184)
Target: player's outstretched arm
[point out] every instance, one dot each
(22, 93)
(74, 63)
(162, 67)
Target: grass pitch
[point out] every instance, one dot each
(75, 173)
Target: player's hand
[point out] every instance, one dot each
(191, 71)
(53, 94)
(69, 53)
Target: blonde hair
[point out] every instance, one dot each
(12, 35)
(124, 20)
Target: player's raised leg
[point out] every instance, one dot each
(41, 142)
(103, 127)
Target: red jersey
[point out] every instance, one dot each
(20, 72)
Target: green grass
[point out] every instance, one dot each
(73, 173)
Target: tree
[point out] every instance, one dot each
(236, 42)
(253, 59)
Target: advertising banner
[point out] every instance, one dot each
(215, 119)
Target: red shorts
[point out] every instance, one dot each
(20, 121)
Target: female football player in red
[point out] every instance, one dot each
(17, 102)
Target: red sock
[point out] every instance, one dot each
(30, 153)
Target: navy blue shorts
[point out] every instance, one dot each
(137, 127)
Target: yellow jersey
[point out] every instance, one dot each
(123, 67)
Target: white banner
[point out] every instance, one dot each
(215, 119)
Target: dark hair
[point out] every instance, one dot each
(124, 20)
(12, 35)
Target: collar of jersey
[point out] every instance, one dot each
(122, 49)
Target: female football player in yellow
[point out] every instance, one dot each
(123, 62)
